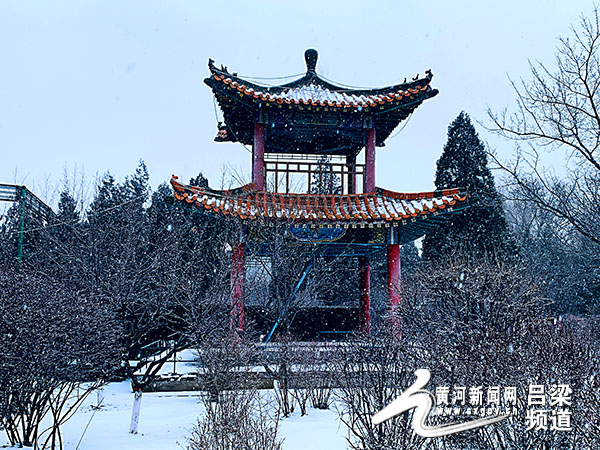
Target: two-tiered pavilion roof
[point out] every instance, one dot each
(310, 117)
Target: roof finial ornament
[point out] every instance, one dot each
(310, 56)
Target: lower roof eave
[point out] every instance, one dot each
(380, 209)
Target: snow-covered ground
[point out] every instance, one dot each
(167, 419)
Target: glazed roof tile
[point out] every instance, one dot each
(318, 94)
(305, 115)
(378, 207)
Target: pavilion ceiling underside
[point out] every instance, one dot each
(303, 131)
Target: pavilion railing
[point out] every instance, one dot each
(286, 175)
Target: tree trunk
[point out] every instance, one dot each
(99, 397)
(135, 413)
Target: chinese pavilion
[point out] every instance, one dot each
(291, 127)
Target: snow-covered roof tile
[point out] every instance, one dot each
(375, 207)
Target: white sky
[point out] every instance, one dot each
(100, 84)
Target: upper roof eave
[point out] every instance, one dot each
(313, 78)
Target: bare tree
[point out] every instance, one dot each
(567, 266)
(559, 110)
(157, 264)
(236, 414)
(224, 364)
(313, 378)
(58, 344)
(459, 295)
(241, 420)
(371, 371)
(281, 370)
(547, 354)
(159, 268)
(484, 323)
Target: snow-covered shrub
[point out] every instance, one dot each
(224, 365)
(371, 372)
(486, 323)
(320, 394)
(281, 372)
(319, 373)
(240, 420)
(57, 345)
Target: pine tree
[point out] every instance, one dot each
(67, 208)
(324, 180)
(481, 229)
(409, 255)
(63, 240)
(200, 181)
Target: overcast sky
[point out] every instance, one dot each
(98, 85)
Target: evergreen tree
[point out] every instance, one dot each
(200, 181)
(63, 240)
(409, 255)
(481, 229)
(67, 208)
(324, 180)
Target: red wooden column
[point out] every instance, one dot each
(351, 166)
(364, 285)
(364, 268)
(238, 276)
(394, 284)
(370, 160)
(258, 157)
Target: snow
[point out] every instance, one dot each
(324, 96)
(318, 430)
(167, 419)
